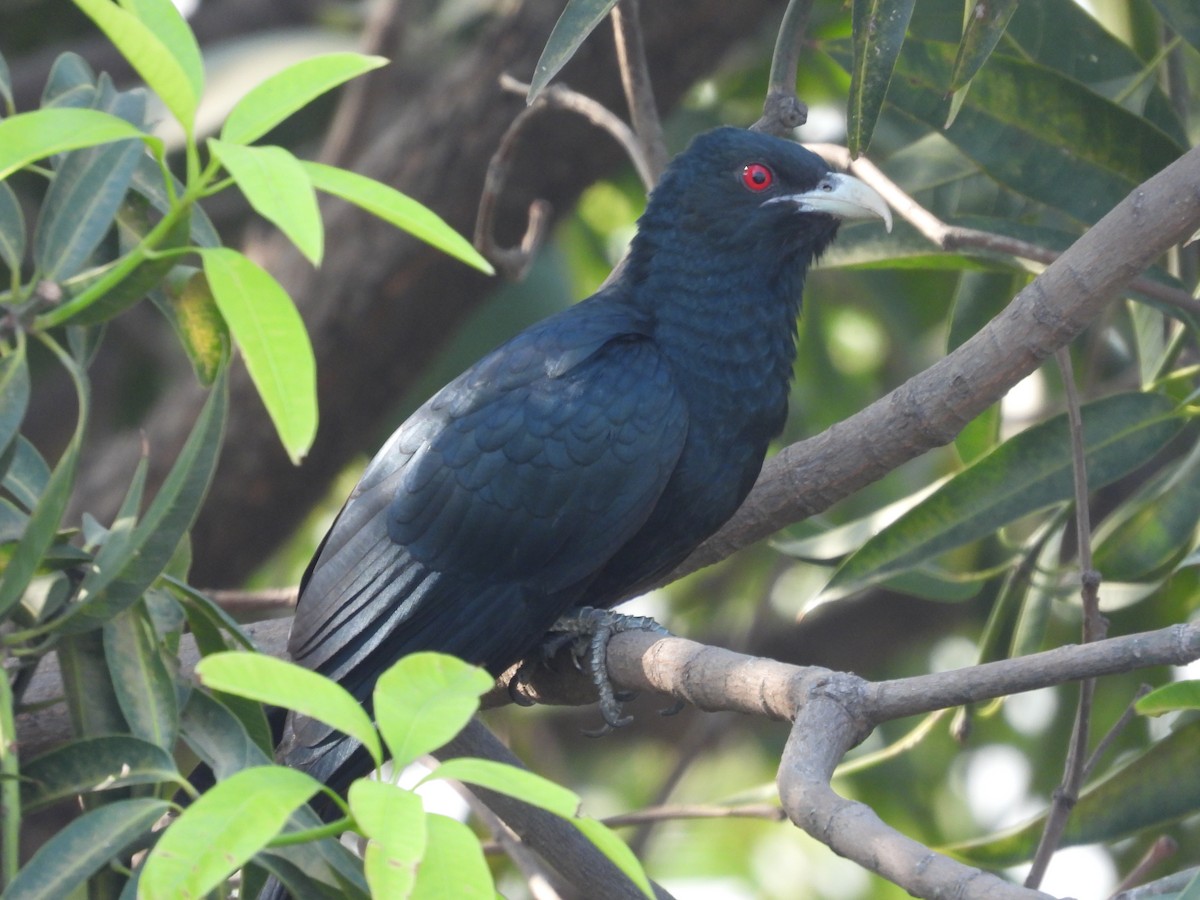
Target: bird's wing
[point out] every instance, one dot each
(500, 498)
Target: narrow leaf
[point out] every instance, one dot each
(163, 18)
(94, 764)
(274, 344)
(12, 229)
(188, 305)
(46, 516)
(222, 830)
(27, 474)
(1170, 698)
(579, 18)
(878, 34)
(218, 737)
(76, 852)
(28, 137)
(14, 392)
(393, 820)
(71, 82)
(279, 190)
(1029, 472)
(143, 685)
(392, 206)
(274, 99)
(1183, 17)
(153, 60)
(985, 26)
(91, 700)
(511, 781)
(5, 84)
(280, 683)
(453, 864)
(424, 700)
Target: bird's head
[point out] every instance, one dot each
(747, 193)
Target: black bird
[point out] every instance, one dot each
(590, 454)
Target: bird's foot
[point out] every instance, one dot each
(588, 630)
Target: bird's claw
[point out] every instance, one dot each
(589, 630)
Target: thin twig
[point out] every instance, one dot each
(1067, 794)
(1128, 716)
(769, 811)
(639, 92)
(783, 110)
(382, 30)
(514, 262)
(956, 237)
(1163, 848)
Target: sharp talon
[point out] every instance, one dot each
(596, 732)
(674, 709)
(519, 680)
(625, 696)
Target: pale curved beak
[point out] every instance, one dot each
(843, 196)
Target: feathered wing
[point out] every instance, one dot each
(487, 514)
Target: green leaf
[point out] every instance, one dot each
(148, 181)
(453, 865)
(393, 820)
(91, 700)
(167, 75)
(1183, 17)
(1150, 790)
(274, 99)
(279, 190)
(217, 736)
(79, 850)
(1170, 698)
(143, 685)
(526, 786)
(14, 393)
(189, 306)
(27, 474)
(878, 34)
(28, 137)
(12, 229)
(985, 26)
(71, 82)
(222, 830)
(44, 521)
(124, 573)
(274, 344)
(5, 84)
(280, 683)
(94, 764)
(1063, 145)
(616, 850)
(392, 206)
(424, 700)
(1029, 472)
(579, 19)
(163, 18)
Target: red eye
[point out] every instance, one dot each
(757, 177)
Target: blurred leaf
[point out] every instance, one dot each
(169, 76)
(274, 344)
(1183, 17)
(222, 830)
(616, 850)
(218, 737)
(985, 26)
(91, 700)
(44, 520)
(879, 27)
(71, 82)
(12, 229)
(453, 864)
(280, 683)
(393, 820)
(279, 190)
(274, 99)
(14, 393)
(28, 137)
(1142, 538)
(93, 764)
(526, 786)
(392, 206)
(144, 687)
(189, 306)
(1151, 790)
(82, 847)
(5, 83)
(164, 20)
(1170, 698)
(12, 522)
(148, 181)
(579, 18)
(1029, 472)
(128, 571)
(424, 700)
(1031, 129)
